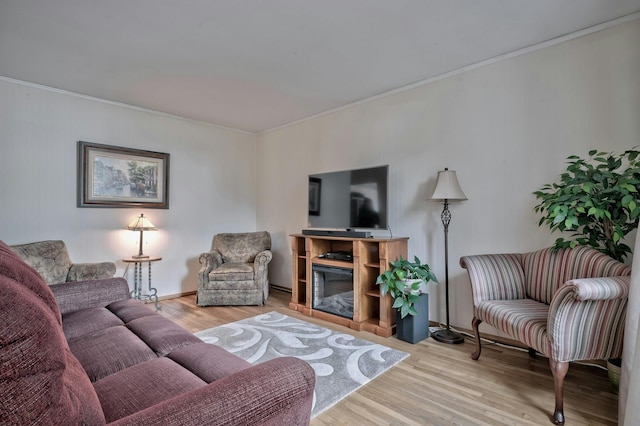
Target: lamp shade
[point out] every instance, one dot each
(141, 224)
(447, 187)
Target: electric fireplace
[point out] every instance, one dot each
(333, 290)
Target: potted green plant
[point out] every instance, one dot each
(596, 199)
(406, 282)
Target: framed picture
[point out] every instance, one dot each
(114, 176)
(315, 185)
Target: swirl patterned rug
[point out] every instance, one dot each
(342, 363)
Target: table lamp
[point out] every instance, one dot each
(141, 224)
(447, 189)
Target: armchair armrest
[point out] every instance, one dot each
(209, 262)
(91, 271)
(607, 288)
(261, 271)
(276, 392)
(586, 318)
(73, 296)
(495, 276)
(262, 260)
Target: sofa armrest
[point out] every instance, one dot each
(74, 296)
(495, 276)
(91, 271)
(209, 261)
(276, 392)
(586, 318)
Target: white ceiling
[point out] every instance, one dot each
(258, 64)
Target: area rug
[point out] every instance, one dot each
(342, 363)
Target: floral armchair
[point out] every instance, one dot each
(235, 271)
(51, 260)
(568, 305)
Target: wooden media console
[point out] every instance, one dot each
(371, 257)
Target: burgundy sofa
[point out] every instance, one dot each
(85, 353)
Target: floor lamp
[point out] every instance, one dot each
(447, 189)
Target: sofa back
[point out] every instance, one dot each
(241, 247)
(41, 382)
(546, 270)
(50, 258)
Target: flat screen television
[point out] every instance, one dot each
(349, 199)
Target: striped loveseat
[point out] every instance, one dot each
(567, 304)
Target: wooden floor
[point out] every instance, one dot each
(440, 384)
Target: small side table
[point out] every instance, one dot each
(137, 292)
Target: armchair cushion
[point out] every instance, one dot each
(241, 247)
(524, 320)
(49, 258)
(232, 272)
(546, 270)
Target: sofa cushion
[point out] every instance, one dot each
(49, 258)
(232, 272)
(90, 320)
(41, 382)
(110, 350)
(161, 334)
(142, 386)
(130, 309)
(209, 362)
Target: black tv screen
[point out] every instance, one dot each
(349, 199)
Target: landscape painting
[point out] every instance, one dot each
(112, 176)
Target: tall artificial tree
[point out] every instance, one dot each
(596, 199)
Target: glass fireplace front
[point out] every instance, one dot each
(333, 290)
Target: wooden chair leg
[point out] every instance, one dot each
(559, 370)
(475, 324)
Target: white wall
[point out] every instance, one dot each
(506, 128)
(212, 181)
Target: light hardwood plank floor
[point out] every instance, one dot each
(439, 384)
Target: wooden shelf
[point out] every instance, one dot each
(372, 293)
(332, 262)
(372, 312)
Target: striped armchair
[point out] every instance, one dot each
(568, 304)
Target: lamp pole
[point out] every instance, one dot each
(446, 335)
